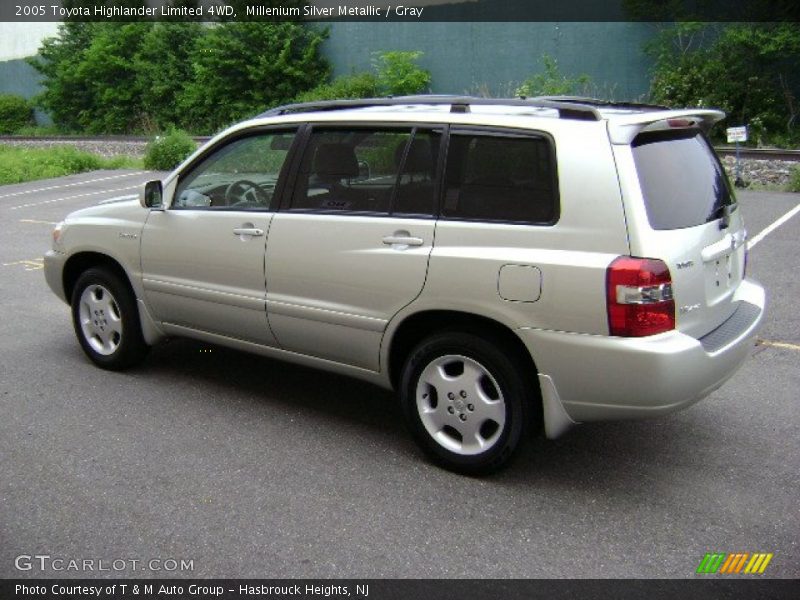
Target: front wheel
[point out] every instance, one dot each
(466, 401)
(106, 320)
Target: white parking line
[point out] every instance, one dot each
(130, 187)
(38, 221)
(66, 185)
(772, 227)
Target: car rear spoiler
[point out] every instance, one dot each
(623, 129)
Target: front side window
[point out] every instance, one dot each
(242, 175)
(498, 177)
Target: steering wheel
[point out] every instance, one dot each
(245, 193)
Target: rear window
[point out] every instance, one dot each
(681, 178)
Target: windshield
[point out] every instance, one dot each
(682, 180)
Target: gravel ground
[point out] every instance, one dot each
(761, 171)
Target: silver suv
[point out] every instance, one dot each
(503, 264)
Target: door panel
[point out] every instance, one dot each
(199, 273)
(203, 257)
(338, 265)
(333, 281)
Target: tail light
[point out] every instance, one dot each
(639, 297)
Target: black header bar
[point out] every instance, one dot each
(398, 11)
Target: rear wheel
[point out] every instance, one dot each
(106, 320)
(466, 401)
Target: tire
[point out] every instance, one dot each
(466, 401)
(106, 320)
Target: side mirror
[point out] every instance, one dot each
(152, 195)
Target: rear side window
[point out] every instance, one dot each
(350, 170)
(682, 181)
(366, 170)
(495, 177)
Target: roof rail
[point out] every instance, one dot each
(596, 102)
(567, 109)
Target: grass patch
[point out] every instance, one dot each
(755, 186)
(39, 131)
(794, 180)
(18, 164)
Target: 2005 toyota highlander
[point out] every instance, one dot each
(502, 264)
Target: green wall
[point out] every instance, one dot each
(464, 57)
(18, 77)
(471, 57)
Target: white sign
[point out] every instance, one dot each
(737, 134)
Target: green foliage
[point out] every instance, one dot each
(126, 77)
(395, 74)
(163, 68)
(114, 77)
(552, 82)
(166, 152)
(65, 94)
(241, 69)
(794, 180)
(399, 74)
(27, 164)
(751, 71)
(357, 85)
(39, 131)
(123, 162)
(108, 70)
(15, 113)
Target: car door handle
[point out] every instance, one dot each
(402, 240)
(251, 231)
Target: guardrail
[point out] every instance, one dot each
(760, 153)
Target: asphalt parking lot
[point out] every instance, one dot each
(253, 468)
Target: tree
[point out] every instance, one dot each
(241, 69)
(133, 76)
(109, 74)
(114, 77)
(399, 74)
(750, 70)
(163, 66)
(65, 94)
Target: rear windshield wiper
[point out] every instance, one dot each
(723, 212)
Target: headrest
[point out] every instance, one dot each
(491, 160)
(335, 161)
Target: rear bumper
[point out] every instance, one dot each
(598, 378)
